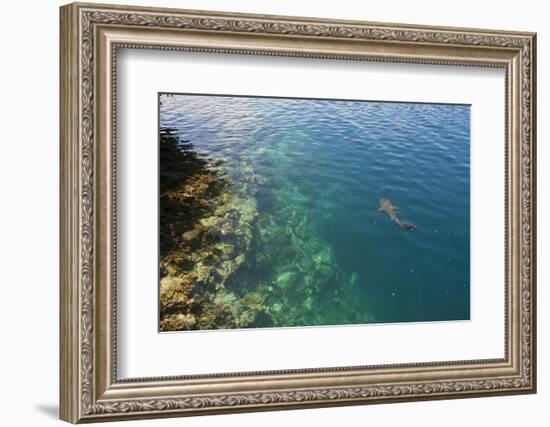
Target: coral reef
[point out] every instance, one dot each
(205, 233)
(243, 249)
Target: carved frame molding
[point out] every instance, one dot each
(90, 35)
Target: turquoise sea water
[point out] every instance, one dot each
(310, 174)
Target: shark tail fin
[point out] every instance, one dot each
(405, 225)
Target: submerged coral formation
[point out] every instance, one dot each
(205, 234)
(235, 253)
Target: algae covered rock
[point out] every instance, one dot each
(324, 275)
(227, 251)
(308, 303)
(324, 256)
(203, 273)
(192, 237)
(285, 279)
(178, 322)
(174, 292)
(305, 263)
(253, 300)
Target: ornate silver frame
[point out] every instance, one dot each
(90, 36)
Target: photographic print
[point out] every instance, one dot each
(286, 212)
(297, 218)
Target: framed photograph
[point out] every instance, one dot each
(267, 212)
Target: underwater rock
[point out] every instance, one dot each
(224, 271)
(209, 222)
(300, 231)
(215, 234)
(263, 320)
(178, 322)
(203, 273)
(245, 234)
(240, 260)
(245, 318)
(308, 303)
(192, 237)
(225, 298)
(324, 256)
(253, 300)
(248, 210)
(309, 284)
(228, 251)
(227, 229)
(304, 263)
(313, 246)
(232, 311)
(174, 292)
(276, 308)
(323, 274)
(285, 279)
(228, 310)
(263, 261)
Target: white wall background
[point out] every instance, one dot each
(29, 170)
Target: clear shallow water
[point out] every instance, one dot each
(313, 172)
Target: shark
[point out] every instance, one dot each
(391, 210)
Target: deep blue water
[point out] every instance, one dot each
(315, 170)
